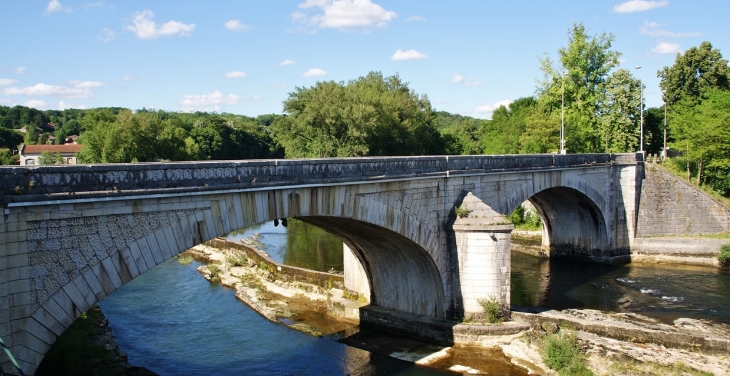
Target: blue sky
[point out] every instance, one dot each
(245, 57)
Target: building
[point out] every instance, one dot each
(29, 154)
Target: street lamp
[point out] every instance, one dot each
(562, 114)
(641, 111)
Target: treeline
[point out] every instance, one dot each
(117, 135)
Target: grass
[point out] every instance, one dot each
(492, 308)
(184, 260)
(724, 255)
(461, 212)
(562, 353)
(634, 367)
(238, 260)
(214, 272)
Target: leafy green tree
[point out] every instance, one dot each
(372, 115)
(48, 158)
(10, 138)
(31, 135)
(702, 132)
(7, 157)
(584, 67)
(461, 134)
(696, 70)
(103, 141)
(619, 125)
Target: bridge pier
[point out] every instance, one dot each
(482, 244)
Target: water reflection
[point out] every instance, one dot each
(298, 244)
(661, 291)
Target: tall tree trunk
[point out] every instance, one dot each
(699, 172)
(689, 175)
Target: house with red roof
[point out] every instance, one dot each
(29, 154)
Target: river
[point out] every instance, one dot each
(174, 322)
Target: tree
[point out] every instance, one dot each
(584, 68)
(48, 158)
(702, 132)
(696, 70)
(7, 157)
(372, 115)
(10, 139)
(619, 125)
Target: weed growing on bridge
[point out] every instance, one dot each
(461, 212)
(493, 309)
(724, 255)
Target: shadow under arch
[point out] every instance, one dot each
(573, 225)
(401, 274)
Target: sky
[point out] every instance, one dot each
(245, 56)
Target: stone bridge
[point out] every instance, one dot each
(71, 235)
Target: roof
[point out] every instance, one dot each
(38, 149)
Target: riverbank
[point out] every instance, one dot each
(611, 342)
(88, 347)
(670, 250)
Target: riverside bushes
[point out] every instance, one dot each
(562, 353)
(724, 255)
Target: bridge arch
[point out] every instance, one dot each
(576, 221)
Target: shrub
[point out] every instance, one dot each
(214, 272)
(561, 352)
(724, 255)
(493, 309)
(461, 212)
(185, 260)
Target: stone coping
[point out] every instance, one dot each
(64, 182)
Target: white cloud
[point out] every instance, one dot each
(55, 6)
(314, 72)
(471, 81)
(653, 30)
(632, 6)
(97, 4)
(489, 108)
(35, 104)
(6, 100)
(7, 81)
(145, 28)
(361, 15)
(20, 70)
(209, 102)
(278, 86)
(407, 55)
(415, 18)
(127, 77)
(80, 89)
(287, 62)
(236, 25)
(106, 35)
(666, 48)
(236, 74)
(85, 84)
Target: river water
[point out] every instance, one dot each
(174, 322)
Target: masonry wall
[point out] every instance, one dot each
(671, 206)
